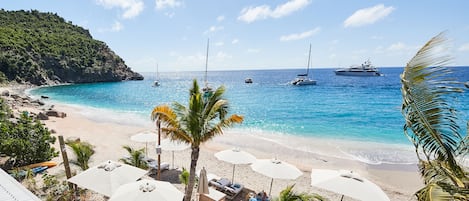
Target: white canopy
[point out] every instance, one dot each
(106, 177)
(347, 183)
(235, 156)
(147, 190)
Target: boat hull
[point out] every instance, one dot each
(304, 82)
(358, 73)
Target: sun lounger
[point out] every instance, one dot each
(233, 190)
(220, 184)
(154, 165)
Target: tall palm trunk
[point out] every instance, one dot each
(194, 159)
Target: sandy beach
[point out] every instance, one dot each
(398, 181)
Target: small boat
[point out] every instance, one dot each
(366, 69)
(156, 83)
(208, 91)
(303, 79)
(248, 80)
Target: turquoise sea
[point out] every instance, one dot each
(354, 109)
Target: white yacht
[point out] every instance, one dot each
(303, 79)
(366, 69)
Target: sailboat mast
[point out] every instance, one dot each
(206, 64)
(157, 73)
(309, 58)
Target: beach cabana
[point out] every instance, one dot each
(276, 169)
(146, 190)
(236, 157)
(106, 177)
(348, 183)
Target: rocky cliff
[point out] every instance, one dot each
(42, 48)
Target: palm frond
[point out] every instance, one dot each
(431, 121)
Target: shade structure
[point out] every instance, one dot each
(146, 190)
(202, 186)
(276, 169)
(146, 137)
(106, 177)
(173, 145)
(236, 157)
(347, 183)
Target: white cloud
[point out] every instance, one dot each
(222, 56)
(464, 47)
(214, 29)
(219, 44)
(251, 14)
(251, 50)
(298, 36)
(117, 26)
(235, 41)
(220, 18)
(399, 46)
(368, 16)
(162, 4)
(132, 8)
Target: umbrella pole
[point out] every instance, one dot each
(173, 160)
(232, 178)
(342, 198)
(270, 191)
(146, 149)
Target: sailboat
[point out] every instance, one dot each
(303, 79)
(207, 90)
(156, 83)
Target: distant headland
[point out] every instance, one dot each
(42, 48)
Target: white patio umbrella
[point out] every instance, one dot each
(236, 157)
(146, 137)
(276, 169)
(146, 190)
(202, 186)
(106, 177)
(347, 183)
(173, 145)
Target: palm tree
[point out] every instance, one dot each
(83, 151)
(432, 125)
(203, 119)
(136, 158)
(288, 194)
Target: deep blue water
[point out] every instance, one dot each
(338, 107)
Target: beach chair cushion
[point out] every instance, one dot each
(220, 183)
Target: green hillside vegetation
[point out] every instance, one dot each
(42, 48)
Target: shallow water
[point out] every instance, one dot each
(359, 116)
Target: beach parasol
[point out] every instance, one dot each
(106, 177)
(347, 183)
(276, 169)
(202, 186)
(147, 136)
(146, 190)
(236, 157)
(172, 145)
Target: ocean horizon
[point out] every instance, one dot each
(359, 116)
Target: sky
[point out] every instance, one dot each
(265, 34)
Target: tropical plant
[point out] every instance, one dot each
(288, 194)
(431, 123)
(184, 177)
(203, 119)
(83, 151)
(136, 158)
(25, 141)
(55, 190)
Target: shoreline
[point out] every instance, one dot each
(398, 181)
